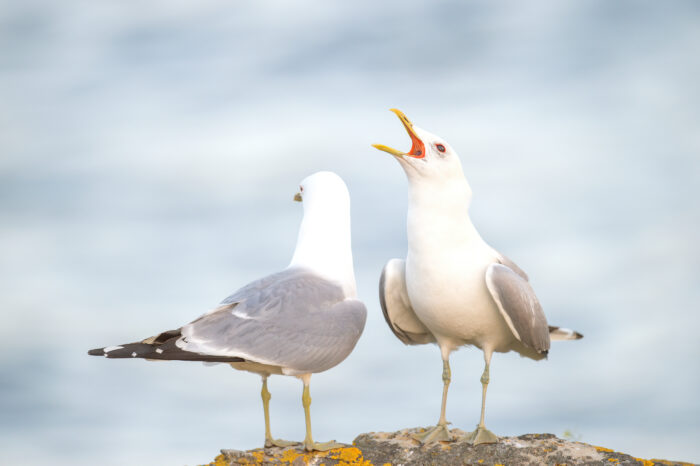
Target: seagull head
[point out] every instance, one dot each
(323, 190)
(323, 243)
(430, 156)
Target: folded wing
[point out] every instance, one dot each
(519, 307)
(293, 319)
(396, 306)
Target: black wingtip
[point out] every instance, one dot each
(97, 352)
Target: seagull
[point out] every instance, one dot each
(453, 289)
(300, 321)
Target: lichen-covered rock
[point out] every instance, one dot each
(399, 448)
(345, 456)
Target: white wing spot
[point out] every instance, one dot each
(112, 348)
(133, 355)
(240, 314)
(159, 351)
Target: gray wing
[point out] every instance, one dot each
(396, 306)
(511, 265)
(555, 333)
(293, 319)
(519, 306)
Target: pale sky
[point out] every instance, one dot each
(148, 158)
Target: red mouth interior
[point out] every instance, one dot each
(417, 147)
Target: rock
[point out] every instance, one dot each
(399, 448)
(349, 455)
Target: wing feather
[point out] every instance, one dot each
(293, 319)
(511, 265)
(396, 306)
(519, 306)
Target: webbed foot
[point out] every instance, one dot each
(481, 435)
(438, 433)
(322, 446)
(273, 442)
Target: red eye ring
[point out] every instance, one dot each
(440, 147)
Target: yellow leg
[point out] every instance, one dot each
(309, 443)
(484, 385)
(269, 441)
(306, 402)
(482, 434)
(446, 379)
(440, 432)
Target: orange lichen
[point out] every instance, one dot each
(608, 450)
(219, 461)
(613, 460)
(349, 456)
(288, 456)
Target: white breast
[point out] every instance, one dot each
(445, 278)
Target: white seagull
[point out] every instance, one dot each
(300, 321)
(454, 289)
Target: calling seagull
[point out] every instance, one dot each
(454, 289)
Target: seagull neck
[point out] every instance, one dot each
(438, 212)
(324, 245)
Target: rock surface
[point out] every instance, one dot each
(399, 448)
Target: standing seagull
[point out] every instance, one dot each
(453, 289)
(300, 321)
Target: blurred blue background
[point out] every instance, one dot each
(149, 153)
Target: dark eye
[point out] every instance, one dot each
(301, 188)
(440, 147)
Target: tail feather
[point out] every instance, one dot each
(561, 333)
(158, 347)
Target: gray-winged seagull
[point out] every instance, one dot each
(453, 289)
(300, 321)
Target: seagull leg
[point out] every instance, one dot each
(482, 434)
(309, 443)
(440, 432)
(269, 441)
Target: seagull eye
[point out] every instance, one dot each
(440, 147)
(301, 188)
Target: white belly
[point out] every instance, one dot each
(449, 295)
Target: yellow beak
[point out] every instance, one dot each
(297, 197)
(417, 148)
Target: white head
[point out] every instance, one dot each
(430, 158)
(324, 235)
(324, 192)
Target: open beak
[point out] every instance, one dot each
(417, 148)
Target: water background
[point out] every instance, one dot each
(149, 153)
